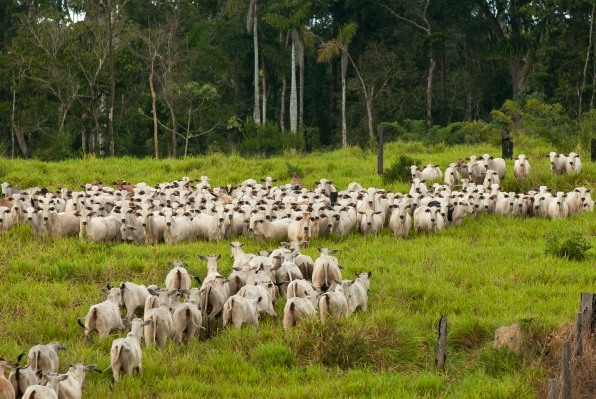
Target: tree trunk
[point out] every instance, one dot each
(256, 112)
(293, 96)
(585, 73)
(369, 115)
(170, 104)
(154, 109)
(282, 111)
(429, 90)
(22, 143)
(344, 129)
(112, 79)
(344, 70)
(264, 84)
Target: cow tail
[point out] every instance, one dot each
(179, 275)
(326, 269)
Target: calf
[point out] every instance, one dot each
(126, 355)
(104, 317)
(239, 311)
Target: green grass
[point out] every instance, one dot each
(491, 271)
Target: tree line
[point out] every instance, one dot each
(187, 77)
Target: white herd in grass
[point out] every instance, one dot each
(190, 210)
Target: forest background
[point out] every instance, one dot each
(258, 77)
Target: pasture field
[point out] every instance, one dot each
(488, 272)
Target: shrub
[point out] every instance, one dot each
(400, 170)
(572, 246)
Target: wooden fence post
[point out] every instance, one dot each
(380, 150)
(441, 351)
(566, 371)
(553, 389)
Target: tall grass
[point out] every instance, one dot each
(491, 271)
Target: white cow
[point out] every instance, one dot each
(573, 164)
(240, 310)
(333, 303)
(557, 162)
(43, 359)
(371, 222)
(521, 167)
(400, 221)
(496, 164)
(557, 207)
(48, 391)
(326, 269)
(72, 387)
(297, 310)
(187, 319)
(104, 317)
(356, 292)
(160, 326)
(133, 298)
(125, 354)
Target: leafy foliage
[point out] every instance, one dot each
(400, 170)
(571, 245)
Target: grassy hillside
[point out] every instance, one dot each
(491, 271)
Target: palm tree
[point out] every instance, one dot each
(330, 50)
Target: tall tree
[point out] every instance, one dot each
(112, 10)
(252, 26)
(330, 50)
(420, 9)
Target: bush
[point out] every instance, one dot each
(400, 170)
(572, 246)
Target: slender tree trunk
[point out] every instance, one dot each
(282, 111)
(585, 73)
(344, 129)
(12, 126)
(256, 112)
(293, 96)
(264, 84)
(429, 90)
(112, 80)
(154, 109)
(369, 115)
(170, 104)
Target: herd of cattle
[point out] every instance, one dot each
(189, 209)
(178, 311)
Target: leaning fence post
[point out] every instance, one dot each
(580, 327)
(441, 352)
(566, 371)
